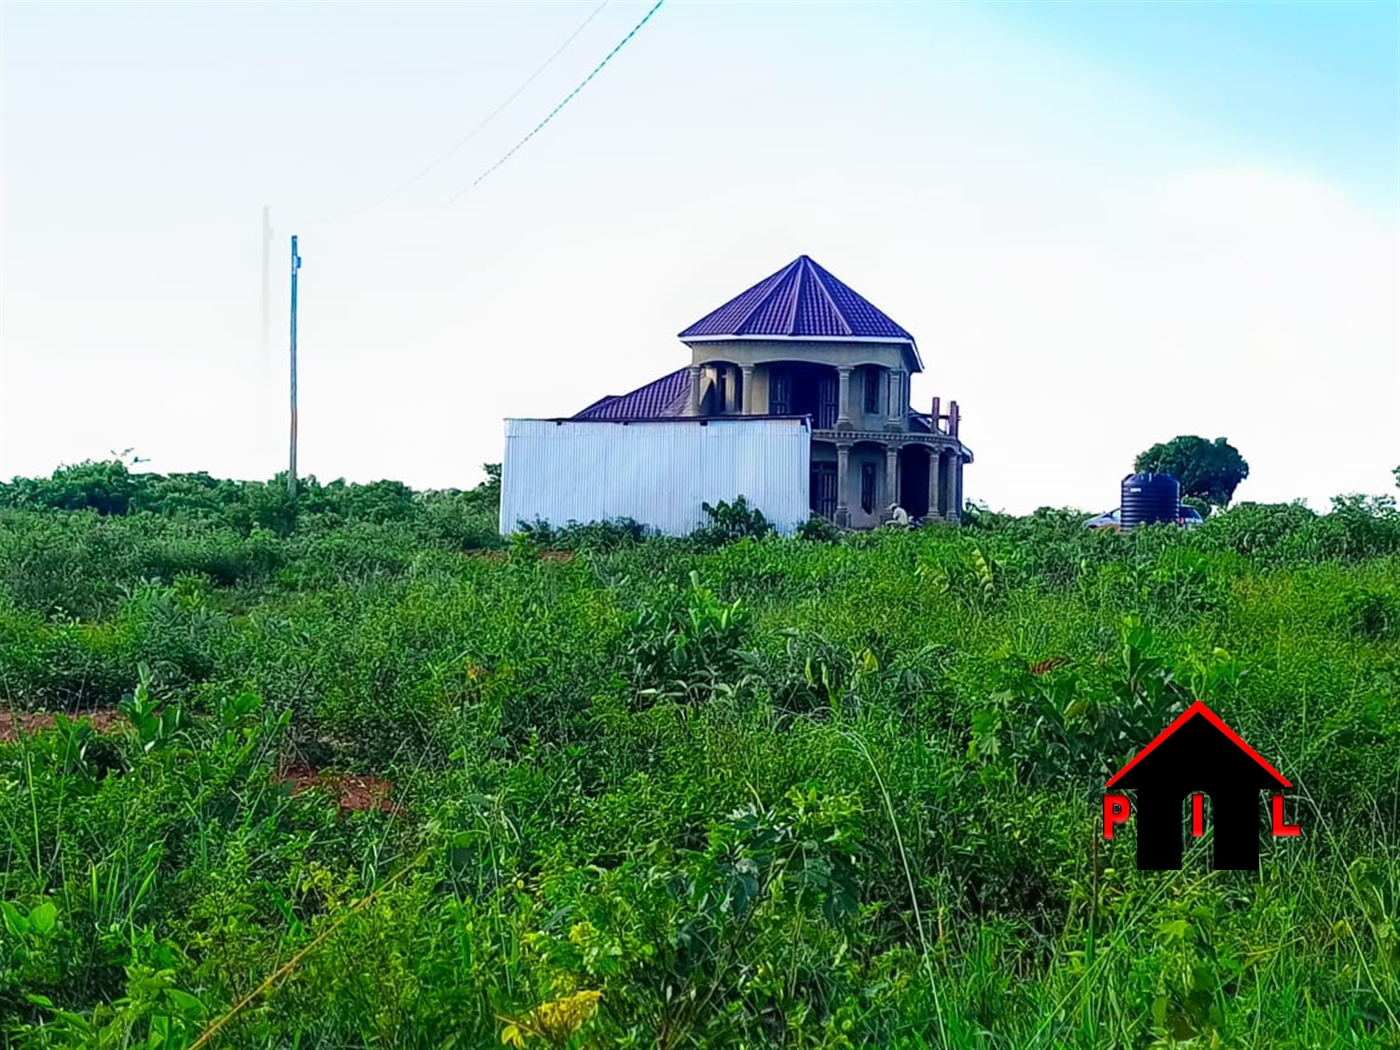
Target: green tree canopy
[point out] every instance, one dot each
(1208, 470)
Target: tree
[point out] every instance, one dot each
(1209, 471)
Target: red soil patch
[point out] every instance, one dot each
(559, 556)
(1046, 666)
(356, 794)
(13, 723)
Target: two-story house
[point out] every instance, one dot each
(801, 342)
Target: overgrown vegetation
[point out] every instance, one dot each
(731, 791)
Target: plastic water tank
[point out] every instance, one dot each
(1149, 499)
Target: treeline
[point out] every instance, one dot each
(110, 489)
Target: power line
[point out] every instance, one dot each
(471, 134)
(596, 70)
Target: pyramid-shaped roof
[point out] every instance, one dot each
(800, 301)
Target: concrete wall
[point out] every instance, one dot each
(861, 377)
(757, 351)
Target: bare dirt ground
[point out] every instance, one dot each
(12, 723)
(352, 792)
(355, 794)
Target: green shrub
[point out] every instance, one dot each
(730, 522)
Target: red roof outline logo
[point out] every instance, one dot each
(1199, 708)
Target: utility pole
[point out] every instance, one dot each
(292, 465)
(266, 373)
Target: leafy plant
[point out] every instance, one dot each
(730, 522)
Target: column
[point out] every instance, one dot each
(892, 475)
(950, 482)
(694, 390)
(843, 398)
(898, 405)
(746, 390)
(935, 483)
(843, 470)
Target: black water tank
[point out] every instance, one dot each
(1149, 499)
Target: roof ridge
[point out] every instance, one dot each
(818, 273)
(836, 312)
(796, 292)
(778, 280)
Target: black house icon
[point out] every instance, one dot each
(1198, 753)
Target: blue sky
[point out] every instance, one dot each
(1313, 84)
(1107, 224)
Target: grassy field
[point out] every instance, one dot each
(721, 792)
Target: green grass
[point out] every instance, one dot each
(755, 792)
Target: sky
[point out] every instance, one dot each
(1106, 225)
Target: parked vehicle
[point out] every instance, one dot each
(1111, 520)
(1187, 518)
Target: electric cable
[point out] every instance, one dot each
(469, 136)
(538, 127)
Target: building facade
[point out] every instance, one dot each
(802, 343)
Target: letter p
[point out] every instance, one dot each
(1115, 811)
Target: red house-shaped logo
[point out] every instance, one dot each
(1197, 755)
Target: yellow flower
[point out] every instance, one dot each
(582, 932)
(554, 1022)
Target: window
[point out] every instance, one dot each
(824, 489)
(867, 487)
(780, 396)
(721, 393)
(827, 405)
(872, 392)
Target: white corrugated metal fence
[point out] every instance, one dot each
(657, 473)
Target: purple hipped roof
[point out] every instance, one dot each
(800, 301)
(666, 398)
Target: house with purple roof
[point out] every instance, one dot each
(800, 343)
(796, 397)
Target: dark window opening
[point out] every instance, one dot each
(780, 396)
(827, 405)
(721, 393)
(867, 487)
(824, 489)
(872, 392)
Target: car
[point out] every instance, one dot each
(1187, 518)
(1111, 520)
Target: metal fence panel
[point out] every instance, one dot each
(657, 473)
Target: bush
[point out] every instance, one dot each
(730, 522)
(817, 529)
(594, 536)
